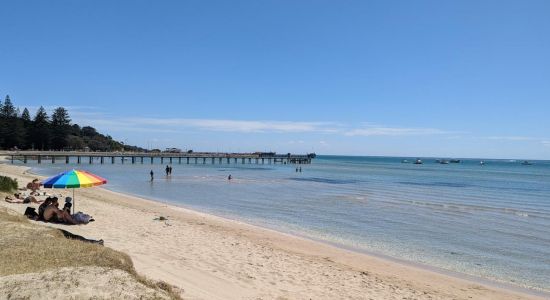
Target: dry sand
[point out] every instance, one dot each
(76, 283)
(215, 258)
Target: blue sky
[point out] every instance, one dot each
(413, 78)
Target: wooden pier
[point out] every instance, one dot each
(164, 157)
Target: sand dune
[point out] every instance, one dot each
(75, 283)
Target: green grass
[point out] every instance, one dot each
(7, 184)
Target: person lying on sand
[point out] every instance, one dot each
(53, 214)
(22, 199)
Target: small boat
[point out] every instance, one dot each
(526, 163)
(481, 163)
(454, 161)
(418, 161)
(444, 162)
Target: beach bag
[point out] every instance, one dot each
(82, 218)
(30, 212)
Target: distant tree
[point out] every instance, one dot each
(75, 142)
(11, 130)
(60, 128)
(8, 110)
(2, 126)
(18, 130)
(26, 116)
(75, 129)
(40, 135)
(27, 123)
(88, 131)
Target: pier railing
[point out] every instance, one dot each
(140, 157)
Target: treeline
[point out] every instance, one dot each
(18, 130)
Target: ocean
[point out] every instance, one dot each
(490, 221)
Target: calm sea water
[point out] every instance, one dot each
(490, 221)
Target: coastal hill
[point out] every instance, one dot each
(42, 132)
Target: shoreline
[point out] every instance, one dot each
(489, 282)
(385, 277)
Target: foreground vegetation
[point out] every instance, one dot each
(7, 184)
(29, 248)
(19, 131)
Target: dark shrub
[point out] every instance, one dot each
(7, 184)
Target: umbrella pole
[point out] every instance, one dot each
(73, 201)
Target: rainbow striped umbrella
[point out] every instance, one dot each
(73, 179)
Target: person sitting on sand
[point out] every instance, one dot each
(34, 186)
(68, 205)
(22, 199)
(43, 207)
(52, 213)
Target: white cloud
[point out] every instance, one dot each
(513, 138)
(372, 130)
(546, 143)
(239, 125)
(100, 119)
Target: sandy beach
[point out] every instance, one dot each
(209, 257)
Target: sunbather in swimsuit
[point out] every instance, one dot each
(22, 199)
(53, 214)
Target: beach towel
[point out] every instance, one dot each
(82, 218)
